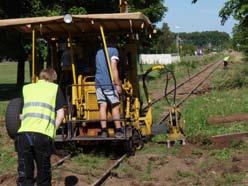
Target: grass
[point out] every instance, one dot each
(197, 110)
(147, 175)
(236, 76)
(89, 165)
(185, 174)
(154, 148)
(230, 179)
(222, 154)
(8, 159)
(187, 67)
(229, 96)
(8, 73)
(90, 161)
(3, 105)
(8, 88)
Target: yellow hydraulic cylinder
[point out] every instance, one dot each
(175, 129)
(80, 84)
(33, 55)
(74, 87)
(72, 61)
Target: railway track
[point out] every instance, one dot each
(205, 74)
(61, 161)
(108, 171)
(208, 70)
(180, 85)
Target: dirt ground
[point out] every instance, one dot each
(192, 164)
(188, 165)
(215, 120)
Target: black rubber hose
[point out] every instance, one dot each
(166, 87)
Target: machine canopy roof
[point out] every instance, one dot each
(119, 23)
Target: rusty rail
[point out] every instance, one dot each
(179, 85)
(192, 90)
(61, 161)
(107, 172)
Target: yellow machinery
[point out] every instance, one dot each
(80, 33)
(175, 127)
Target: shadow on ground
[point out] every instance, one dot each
(9, 91)
(71, 180)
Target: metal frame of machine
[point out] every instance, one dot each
(82, 122)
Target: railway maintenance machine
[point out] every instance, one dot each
(81, 36)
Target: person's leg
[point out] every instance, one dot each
(25, 161)
(113, 99)
(116, 115)
(43, 151)
(101, 99)
(103, 114)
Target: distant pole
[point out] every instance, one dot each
(178, 41)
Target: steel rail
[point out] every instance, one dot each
(192, 90)
(179, 85)
(61, 161)
(106, 174)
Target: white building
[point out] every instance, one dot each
(158, 58)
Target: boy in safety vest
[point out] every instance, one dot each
(225, 60)
(41, 115)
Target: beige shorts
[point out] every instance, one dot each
(107, 96)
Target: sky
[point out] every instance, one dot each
(182, 16)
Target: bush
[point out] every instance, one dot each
(235, 76)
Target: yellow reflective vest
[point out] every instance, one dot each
(38, 113)
(226, 58)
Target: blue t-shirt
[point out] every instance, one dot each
(102, 74)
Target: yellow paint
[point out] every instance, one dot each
(33, 55)
(174, 126)
(106, 52)
(72, 60)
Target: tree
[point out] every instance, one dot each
(236, 8)
(165, 39)
(154, 9)
(160, 42)
(204, 39)
(239, 10)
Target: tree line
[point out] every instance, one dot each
(165, 41)
(15, 46)
(238, 9)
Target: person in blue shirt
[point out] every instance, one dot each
(108, 92)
